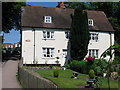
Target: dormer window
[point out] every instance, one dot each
(90, 22)
(48, 19)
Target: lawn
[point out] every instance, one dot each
(65, 81)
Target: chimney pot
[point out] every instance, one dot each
(62, 5)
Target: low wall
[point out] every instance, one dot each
(31, 79)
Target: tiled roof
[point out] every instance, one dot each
(33, 16)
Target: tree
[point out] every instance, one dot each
(11, 14)
(79, 36)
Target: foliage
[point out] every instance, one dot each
(108, 7)
(67, 66)
(79, 36)
(90, 60)
(11, 14)
(116, 60)
(98, 70)
(98, 81)
(56, 73)
(103, 63)
(75, 65)
(79, 66)
(75, 5)
(91, 74)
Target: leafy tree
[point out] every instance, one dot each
(11, 13)
(79, 36)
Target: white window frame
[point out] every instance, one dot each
(47, 19)
(51, 52)
(94, 37)
(93, 53)
(51, 35)
(90, 22)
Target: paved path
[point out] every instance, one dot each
(9, 70)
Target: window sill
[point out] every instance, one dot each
(48, 57)
(94, 41)
(48, 39)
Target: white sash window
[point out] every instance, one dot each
(93, 53)
(48, 19)
(48, 52)
(90, 22)
(48, 35)
(94, 37)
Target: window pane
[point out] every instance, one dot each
(93, 53)
(52, 52)
(48, 34)
(48, 52)
(96, 53)
(52, 34)
(44, 34)
(96, 37)
(44, 52)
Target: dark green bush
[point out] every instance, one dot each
(56, 72)
(97, 62)
(98, 71)
(84, 67)
(91, 74)
(103, 63)
(116, 60)
(74, 65)
(79, 66)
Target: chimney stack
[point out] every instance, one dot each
(62, 5)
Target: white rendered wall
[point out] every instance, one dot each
(58, 43)
(103, 42)
(27, 46)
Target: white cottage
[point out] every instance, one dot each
(45, 34)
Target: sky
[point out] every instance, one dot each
(14, 36)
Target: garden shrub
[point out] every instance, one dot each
(116, 60)
(90, 60)
(91, 74)
(56, 72)
(79, 66)
(103, 63)
(98, 71)
(97, 62)
(74, 65)
(83, 67)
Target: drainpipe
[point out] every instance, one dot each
(34, 46)
(110, 39)
(110, 44)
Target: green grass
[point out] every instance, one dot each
(64, 80)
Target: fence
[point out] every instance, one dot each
(31, 79)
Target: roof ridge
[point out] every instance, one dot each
(45, 7)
